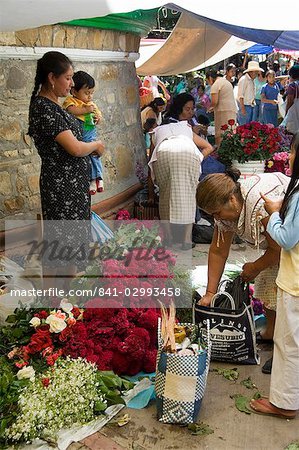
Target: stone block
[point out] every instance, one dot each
(5, 183)
(26, 169)
(16, 79)
(124, 161)
(130, 95)
(110, 97)
(45, 35)
(27, 38)
(98, 40)
(11, 154)
(11, 131)
(122, 42)
(33, 183)
(109, 40)
(34, 203)
(90, 38)
(25, 152)
(7, 38)
(81, 38)
(14, 204)
(21, 186)
(132, 42)
(109, 72)
(130, 116)
(59, 36)
(70, 36)
(27, 139)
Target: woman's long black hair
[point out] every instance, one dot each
(177, 105)
(293, 187)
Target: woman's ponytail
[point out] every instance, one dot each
(37, 82)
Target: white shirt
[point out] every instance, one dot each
(246, 90)
(153, 81)
(168, 131)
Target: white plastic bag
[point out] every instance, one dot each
(281, 106)
(12, 278)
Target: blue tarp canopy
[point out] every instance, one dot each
(279, 39)
(259, 49)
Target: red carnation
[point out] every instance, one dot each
(46, 381)
(142, 334)
(224, 127)
(150, 358)
(76, 312)
(40, 340)
(65, 334)
(134, 367)
(231, 122)
(104, 361)
(120, 363)
(53, 357)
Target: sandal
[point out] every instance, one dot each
(267, 367)
(264, 407)
(260, 340)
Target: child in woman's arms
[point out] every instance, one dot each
(80, 104)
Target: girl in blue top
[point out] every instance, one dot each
(283, 227)
(269, 95)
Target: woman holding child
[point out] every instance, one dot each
(57, 135)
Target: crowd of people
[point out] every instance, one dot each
(68, 147)
(239, 207)
(261, 92)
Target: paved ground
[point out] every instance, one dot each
(233, 430)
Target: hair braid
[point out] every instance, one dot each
(37, 81)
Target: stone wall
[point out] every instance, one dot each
(116, 95)
(65, 36)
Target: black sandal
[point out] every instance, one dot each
(260, 340)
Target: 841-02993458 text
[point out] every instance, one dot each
(139, 292)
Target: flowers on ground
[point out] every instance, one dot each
(74, 392)
(113, 338)
(250, 142)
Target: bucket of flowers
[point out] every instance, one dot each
(250, 145)
(279, 161)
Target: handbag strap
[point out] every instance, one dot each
(232, 301)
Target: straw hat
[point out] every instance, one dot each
(253, 66)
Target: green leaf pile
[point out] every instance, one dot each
(200, 429)
(293, 446)
(228, 374)
(242, 402)
(248, 383)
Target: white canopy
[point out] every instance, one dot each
(193, 44)
(22, 14)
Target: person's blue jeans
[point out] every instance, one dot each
(96, 167)
(271, 116)
(258, 111)
(248, 116)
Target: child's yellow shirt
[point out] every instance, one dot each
(73, 101)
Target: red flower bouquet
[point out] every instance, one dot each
(250, 142)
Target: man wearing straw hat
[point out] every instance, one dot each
(246, 92)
